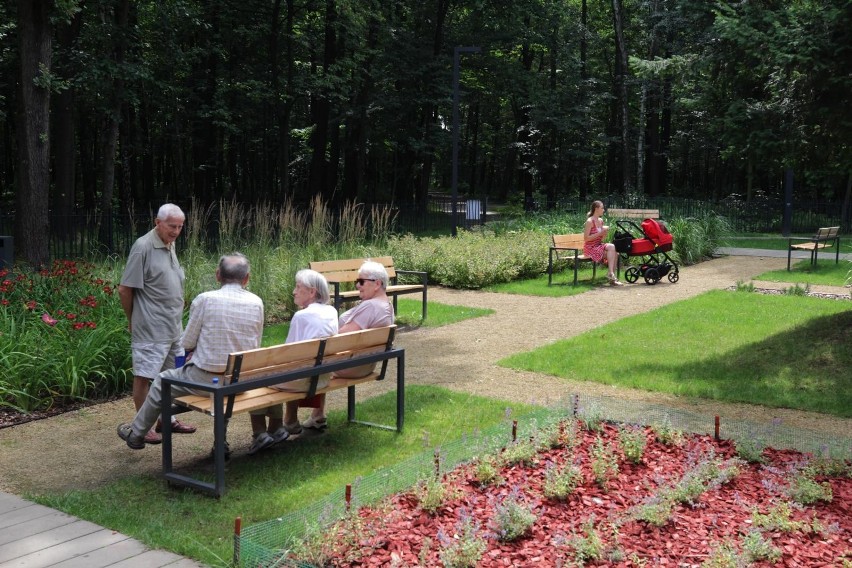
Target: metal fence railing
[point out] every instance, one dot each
(91, 236)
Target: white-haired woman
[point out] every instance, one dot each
(314, 319)
(374, 310)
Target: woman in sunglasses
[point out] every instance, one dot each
(374, 310)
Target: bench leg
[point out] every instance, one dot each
(550, 267)
(425, 305)
(575, 268)
(789, 254)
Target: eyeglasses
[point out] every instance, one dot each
(360, 281)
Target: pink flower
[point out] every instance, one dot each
(45, 317)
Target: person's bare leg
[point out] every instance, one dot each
(291, 412)
(319, 411)
(140, 391)
(258, 424)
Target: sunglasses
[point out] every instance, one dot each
(360, 281)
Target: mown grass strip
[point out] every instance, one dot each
(781, 351)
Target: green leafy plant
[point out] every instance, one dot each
(778, 517)
(751, 449)
(633, 440)
(667, 434)
(588, 545)
(723, 555)
(592, 417)
(431, 494)
(466, 547)
(512, 518)
(804, 489)
(745, 286)
(604, 462)
(560, 482)
(797, 290)
(519, 452)
(757, 547)
(486, 470)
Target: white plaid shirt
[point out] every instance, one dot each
(221, 322)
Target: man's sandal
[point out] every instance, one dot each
(178, 427)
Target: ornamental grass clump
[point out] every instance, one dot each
(63, 335)
(756, 548)
(513, 517)
(431, 494)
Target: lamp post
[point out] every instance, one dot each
(457, 51)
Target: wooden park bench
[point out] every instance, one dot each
(825, 237)
(633, 213)
(568, 248)
(342, 272)
(248, 384)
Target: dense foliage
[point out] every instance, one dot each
(267, 100)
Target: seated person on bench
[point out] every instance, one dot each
(374, 310)
(314, 320)
(221, 322)
(593, 233)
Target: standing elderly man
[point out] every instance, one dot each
(221, 322)
(151, 293)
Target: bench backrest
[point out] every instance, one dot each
(826, 233)
(572, 241)
(266, 361)
(634, 213)
(347, 270)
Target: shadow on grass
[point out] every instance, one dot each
(807, 368)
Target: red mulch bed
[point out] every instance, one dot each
(399, 526)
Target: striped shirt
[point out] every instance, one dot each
(222, 322)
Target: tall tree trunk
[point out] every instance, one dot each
(586, 176)
(321, 112)
(846, 211)
(64, 143)
(110, 138)
(621, 82)
(31, 215)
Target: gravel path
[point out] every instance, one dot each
(81, 450)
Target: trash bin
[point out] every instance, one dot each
(473, 209)
(7, 252)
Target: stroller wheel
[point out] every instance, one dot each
(674, 277)
(652, 276)
(631, 274)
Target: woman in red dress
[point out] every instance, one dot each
(594, 232)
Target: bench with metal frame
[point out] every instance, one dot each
(825, 237)
(572, 245)
(345, 271)
(248, 384)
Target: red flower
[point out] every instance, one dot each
(71, 316)
(91, 324)
(78, 325)
(107, 290)
(31, 305)
(45, 317)
(4, 301)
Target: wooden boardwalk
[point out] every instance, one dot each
(34, 536)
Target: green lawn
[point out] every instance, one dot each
(826, 272)
(562, 284)
(782, 351)
(774, 241)
(283, 479)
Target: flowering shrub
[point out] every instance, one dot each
(63, 336)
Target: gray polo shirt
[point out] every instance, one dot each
(155, 274)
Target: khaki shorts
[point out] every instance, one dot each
(151, 359)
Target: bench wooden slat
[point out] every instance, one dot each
(634, 213)
(568, 248)
(345, 271)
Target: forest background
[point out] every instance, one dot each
(107, 106)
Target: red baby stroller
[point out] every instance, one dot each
(651, 241)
